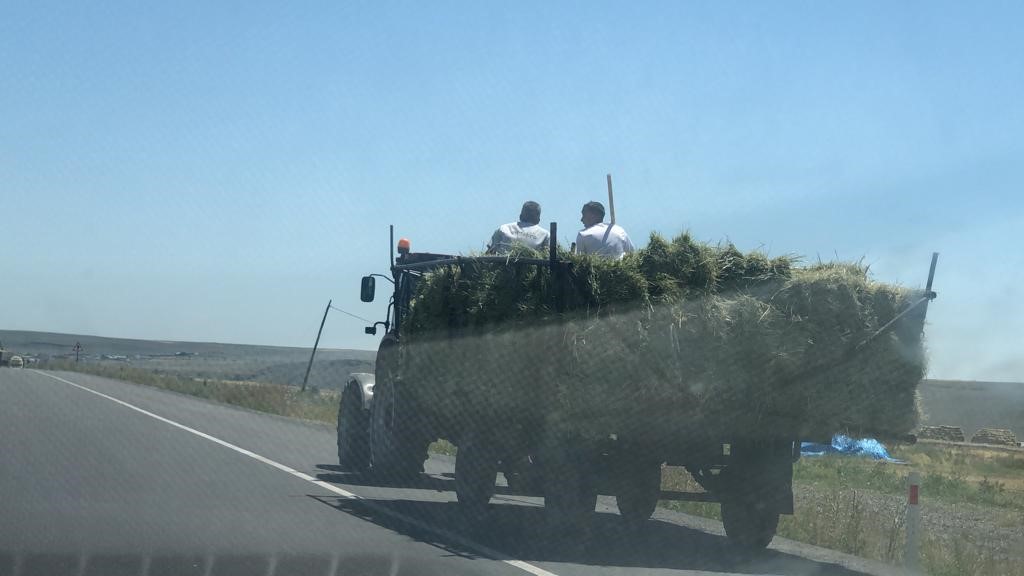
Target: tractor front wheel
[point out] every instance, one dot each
(353, 431)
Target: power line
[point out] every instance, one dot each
(335, 308)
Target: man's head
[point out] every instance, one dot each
(593, 213)
(530, 212)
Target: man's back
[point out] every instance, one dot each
(531, 235)
(599, 240)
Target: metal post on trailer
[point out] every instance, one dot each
(931, 273)
(553, 243)
(928, 296)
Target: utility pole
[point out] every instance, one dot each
(315, 344)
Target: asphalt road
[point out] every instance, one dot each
(101, 477)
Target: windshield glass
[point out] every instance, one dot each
(657, 287)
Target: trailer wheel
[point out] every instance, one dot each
(570, 494)
(638, 490)
(748, 525)
(476, 470)
(569, 504)
(353, 431)
(396, 452)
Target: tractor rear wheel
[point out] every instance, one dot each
(397, 451)
(570, 494)
(476, 469)
(638, 488)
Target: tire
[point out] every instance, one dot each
(353, 431)
(570, 494)
(748, 525)
(637, 491)
(476, 470)
(396, 451)
(569, 506)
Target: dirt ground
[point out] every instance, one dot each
(974, 405)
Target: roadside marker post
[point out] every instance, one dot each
(910, 555)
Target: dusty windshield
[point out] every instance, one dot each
(351, 288)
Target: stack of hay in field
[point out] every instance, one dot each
(995, 436)
(677, 335)
(944, 433)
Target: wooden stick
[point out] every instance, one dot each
(611, 201)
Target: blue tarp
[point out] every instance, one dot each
(846, 446)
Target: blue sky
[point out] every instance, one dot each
(218, 171)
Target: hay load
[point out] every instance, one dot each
(995, 436)
(681, 335)
(943, 433)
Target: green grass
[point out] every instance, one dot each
(443, 447)
(837, 516)
(993, 472)
(949, 474)
(839, 471)
(958, 557)
(843, 523)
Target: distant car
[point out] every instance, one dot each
(17, 362)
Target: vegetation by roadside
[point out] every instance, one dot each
(314, 404)
(950, 473)
(972, 507)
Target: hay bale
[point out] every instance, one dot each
(943, 433)
(678, 333)
(995, 436)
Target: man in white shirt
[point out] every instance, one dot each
(527, 232)
(608, 241)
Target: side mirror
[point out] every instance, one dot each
(367, 289)
(371, 330)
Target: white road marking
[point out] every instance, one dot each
(478, 548)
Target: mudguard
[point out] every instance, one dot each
(365, 382)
